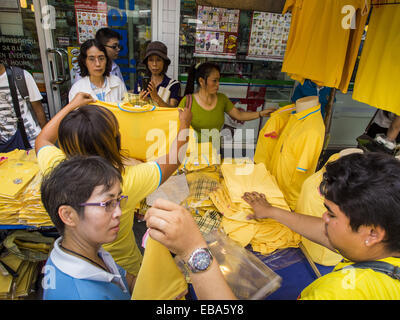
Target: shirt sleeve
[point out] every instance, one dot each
(34, 93)
(175, 91)
(228, 105)
(312, 145)
(141, 180)
(48, 158)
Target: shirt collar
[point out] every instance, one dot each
(81, 269)
(305, 113)
(165, 81)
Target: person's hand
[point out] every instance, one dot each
(144, 95)
(152, 90)
(259, 204)
(185, 117)
(267, 112)
(82, 99)
(173, 226)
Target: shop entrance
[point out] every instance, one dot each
(44, 37)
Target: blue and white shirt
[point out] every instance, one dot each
(67, 277)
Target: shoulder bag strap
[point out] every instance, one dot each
(189, 99)
(16, 106)
(378, 266)
(20, 81)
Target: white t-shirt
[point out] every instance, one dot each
(8, 118)
(113, 89)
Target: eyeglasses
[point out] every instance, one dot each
(115, 46)
(109, 205)
(93, 59)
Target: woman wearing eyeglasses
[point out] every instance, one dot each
(95, 67)
(84, 200)
(83, 129)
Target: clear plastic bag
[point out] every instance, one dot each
(248, 277)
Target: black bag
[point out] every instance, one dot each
(20, 139)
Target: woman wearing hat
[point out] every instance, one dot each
(165, 92)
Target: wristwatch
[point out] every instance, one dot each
(200, 260)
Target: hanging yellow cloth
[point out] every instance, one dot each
(159, 278)
(311, 202)
(321, 46)
(297, 151)
(146, 132)
(376, 82)
(269, 135)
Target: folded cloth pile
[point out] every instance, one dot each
(20, 201)
(266, 235)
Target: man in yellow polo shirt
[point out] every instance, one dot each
(362, 223)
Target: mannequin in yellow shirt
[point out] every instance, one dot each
(362, 223)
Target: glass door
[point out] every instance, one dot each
(62, 26)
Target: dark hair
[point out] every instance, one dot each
(103, 35)
(83, 55)
(91, 130)
(72, 182)
(202, 71)
(366, 187)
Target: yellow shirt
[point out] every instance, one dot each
(319, 48)
(159, 277)
(269, 134)
(354, 284)
(311, 202)
(296, 154)
(138, 182)
(376, 83)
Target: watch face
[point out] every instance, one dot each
(201, 260)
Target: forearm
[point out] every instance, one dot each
(312, 228)
(40, 115)
(247, 115)
(394, 129)
(170, 163)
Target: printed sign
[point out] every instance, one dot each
(216, 32)
(269, 35)
(91, 15)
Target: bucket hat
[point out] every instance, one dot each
(158, 48)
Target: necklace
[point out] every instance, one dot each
(83, 257)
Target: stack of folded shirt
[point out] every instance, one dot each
(266, 235)
(20, 201)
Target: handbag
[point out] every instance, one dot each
(19, 140)
(15, 142)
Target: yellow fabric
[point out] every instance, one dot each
(376, 82)
(311, 202)
(269, 134)
(146, 135)
(318, 47)
(15, 175)
(200, 156)
(159, 278)
(265, 235)
(138, 182)
(297, 151)
(355, 284)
